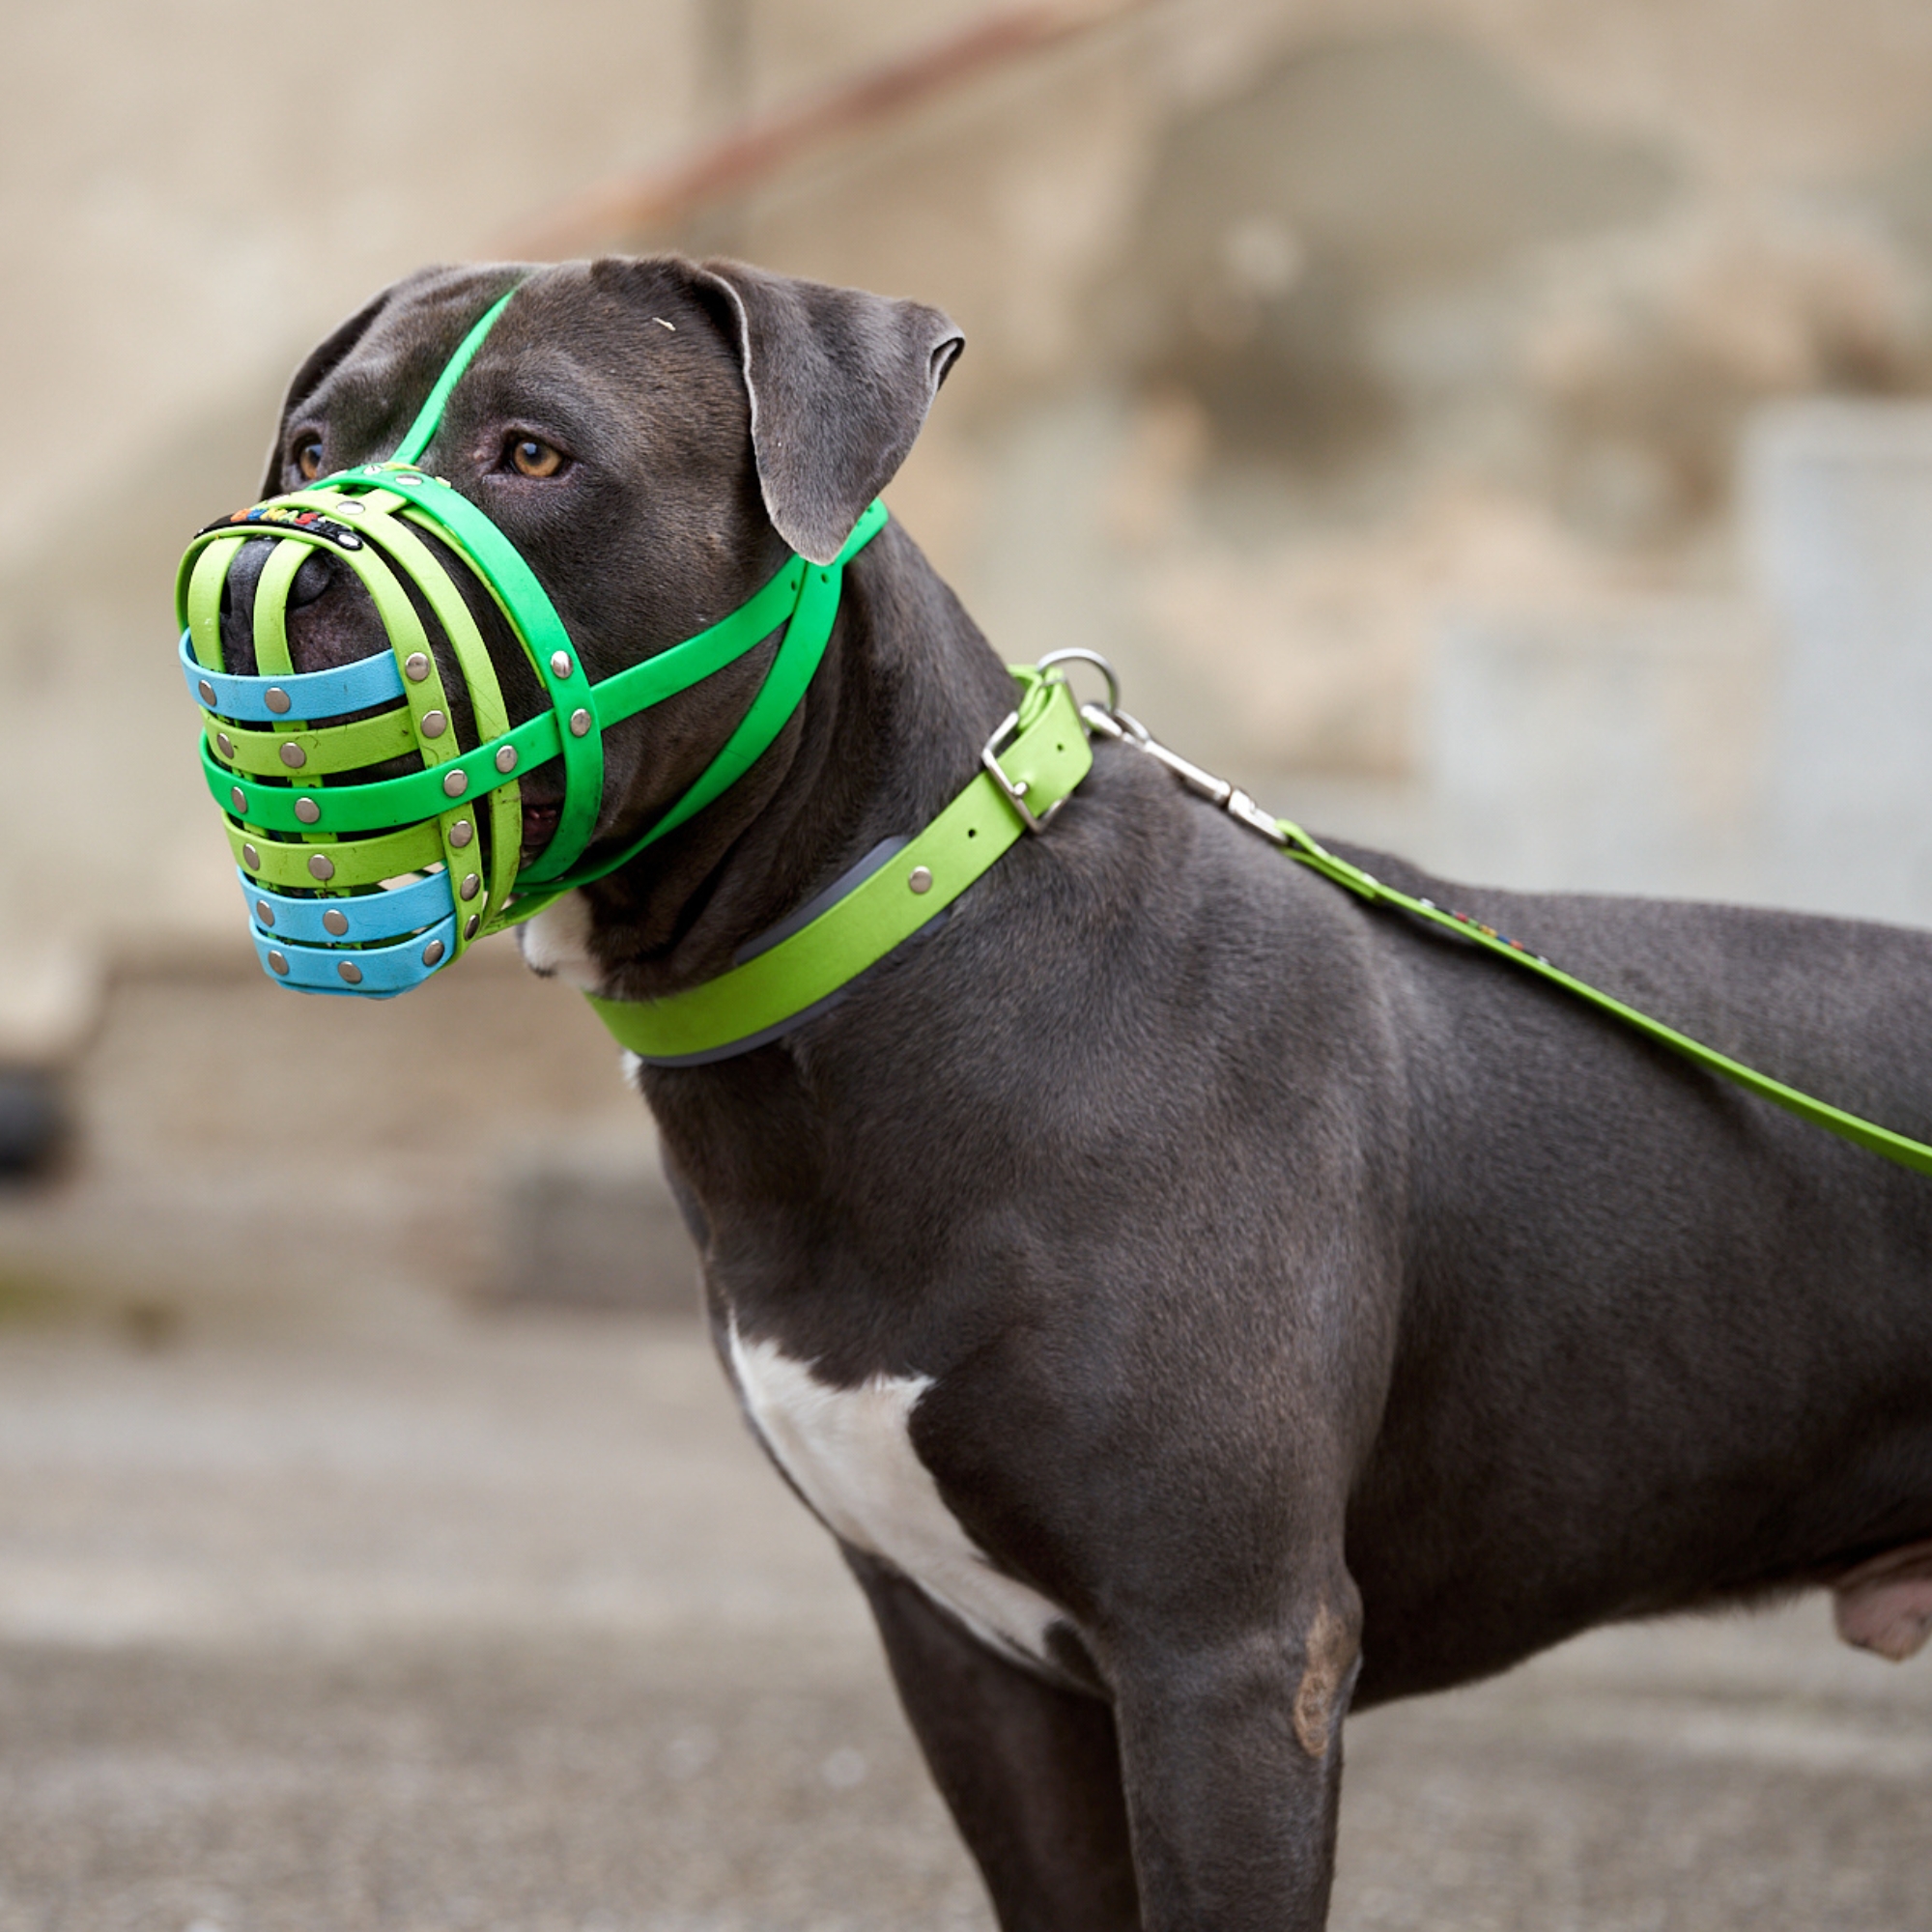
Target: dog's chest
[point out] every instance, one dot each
(849, 1451)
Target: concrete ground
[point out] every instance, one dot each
(498, 1621)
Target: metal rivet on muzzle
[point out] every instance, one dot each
(224, 743)
(207, 691)
(265, 912)
(251, 858)
(455, 784)
(307, 811)
(276, 699)
(580, 723)
(278, 961)
(352, 974)
(415, 667)
(507, 758)
(434, 723)
(470, 885)
(559, 666)
(431, 952)
(294, 756)
(322, 867)
(920, 879)
(237, 798)
(349, 508)
(471, 924)
(461, 832)
(335, 922)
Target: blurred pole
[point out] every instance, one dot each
(1838, 521)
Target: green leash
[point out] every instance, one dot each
(1900, 1147)
(1034, 762)
(1299, 846)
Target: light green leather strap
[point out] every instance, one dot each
(1867, 1134)
(1050, 755)
(271, 600)
(503, 802)
(204, 571)
(325, 750)
(366, 862)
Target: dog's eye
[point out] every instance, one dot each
(308, 457)
(534, 458)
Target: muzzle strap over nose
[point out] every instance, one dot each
(367, 884)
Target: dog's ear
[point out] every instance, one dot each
(839, 383)
(325, 357)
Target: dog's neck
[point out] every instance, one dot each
(890, 729)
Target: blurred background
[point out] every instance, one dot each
(1499, 430)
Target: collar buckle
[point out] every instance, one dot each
(1015, 789)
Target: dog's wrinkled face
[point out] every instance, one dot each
(654, 438)
(602, 428)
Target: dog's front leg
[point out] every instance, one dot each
(1031, 1773)
(1232, 1755)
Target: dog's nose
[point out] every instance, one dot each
(327, 618)
(312, 581)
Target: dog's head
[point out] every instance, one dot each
(653, 435)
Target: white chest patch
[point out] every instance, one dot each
(849, 1450)
(557, 943)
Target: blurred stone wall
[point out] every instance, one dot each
(1410, 395)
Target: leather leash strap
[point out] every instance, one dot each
(1310, 852)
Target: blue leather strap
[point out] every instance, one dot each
(367, 917)
(316, 694)
(381, 971)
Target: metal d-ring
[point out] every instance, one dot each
(1091, 715)
(1079, 653)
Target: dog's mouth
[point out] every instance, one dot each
(540, 817)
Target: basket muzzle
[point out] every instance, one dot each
(359, 881)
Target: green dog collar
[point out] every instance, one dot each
(1034, 762)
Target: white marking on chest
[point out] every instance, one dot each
(557, 943)
(849, 1451)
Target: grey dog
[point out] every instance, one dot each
(1199, 1302)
